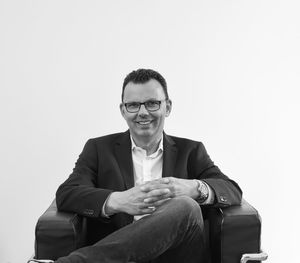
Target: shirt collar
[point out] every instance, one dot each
(159, 149)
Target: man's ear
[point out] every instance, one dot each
(168, 107)
(122, 109)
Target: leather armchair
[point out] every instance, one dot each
(233, 234)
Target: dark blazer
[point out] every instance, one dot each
(105, 165)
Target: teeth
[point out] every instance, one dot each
(144, 122)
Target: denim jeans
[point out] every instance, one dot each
(173, 233)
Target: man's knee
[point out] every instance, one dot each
(184, 207)
(186, 203)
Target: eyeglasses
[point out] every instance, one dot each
(150, 105)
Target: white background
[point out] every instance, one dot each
(233, 73)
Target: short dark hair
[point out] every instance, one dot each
(142, 76)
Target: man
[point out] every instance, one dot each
(143, 191)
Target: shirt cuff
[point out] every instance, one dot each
(103, 212)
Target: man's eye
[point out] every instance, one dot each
(152, 103)
(133, 105)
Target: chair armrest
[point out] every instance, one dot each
(58, 233)
(234, 231)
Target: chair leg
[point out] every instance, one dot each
(254, 256)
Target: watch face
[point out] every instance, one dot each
(203, 192)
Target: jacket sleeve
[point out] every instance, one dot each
(79, 192)
(227, 192)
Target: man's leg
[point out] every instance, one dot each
(176, 225)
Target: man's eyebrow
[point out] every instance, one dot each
(135, 101)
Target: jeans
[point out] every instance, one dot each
(173, 233)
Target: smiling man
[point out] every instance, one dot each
(142, 191)
(144, 107)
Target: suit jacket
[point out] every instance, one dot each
(105, 165)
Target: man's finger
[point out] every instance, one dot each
(147, 210)
(158, 192)
(149, 186)
(157, 202)
(154, 199)
(163, 180)
(160, 202)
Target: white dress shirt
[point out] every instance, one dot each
(146, 167)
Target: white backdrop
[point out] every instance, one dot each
(233, 73)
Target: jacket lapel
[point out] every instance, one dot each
(169, 157)
(124, 158)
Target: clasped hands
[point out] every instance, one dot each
(143, 199)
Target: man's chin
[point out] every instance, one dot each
(143, 133)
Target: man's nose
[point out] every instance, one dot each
(143, 110)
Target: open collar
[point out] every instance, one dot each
(123, 148)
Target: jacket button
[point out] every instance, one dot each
(223, 198)
(88, 211)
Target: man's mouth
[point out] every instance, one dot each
(144, 122)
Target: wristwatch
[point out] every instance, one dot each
(203, 191)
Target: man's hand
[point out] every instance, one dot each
(137, 200)
(177, 187)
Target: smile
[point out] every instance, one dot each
(144, 122)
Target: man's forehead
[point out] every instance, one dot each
(151, 89)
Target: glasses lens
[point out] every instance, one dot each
(152, 105)
(132, 106)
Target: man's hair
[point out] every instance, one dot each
(141, 76)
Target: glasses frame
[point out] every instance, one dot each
(143, 103)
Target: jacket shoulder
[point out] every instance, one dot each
(184, 142)
(180, 140)
(110, 138)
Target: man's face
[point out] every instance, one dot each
(144, 124)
